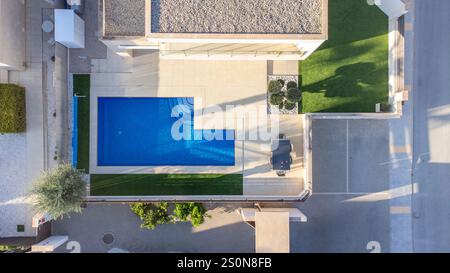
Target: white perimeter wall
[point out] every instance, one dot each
(12, 34)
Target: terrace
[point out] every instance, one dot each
(235, 16)
(146, 17)
(211, 84)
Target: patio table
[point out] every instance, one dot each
(281, 157)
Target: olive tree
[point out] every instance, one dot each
(59, 191)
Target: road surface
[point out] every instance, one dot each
(431, 144)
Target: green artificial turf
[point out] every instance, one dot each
(81, 88)
(165, 184)
(349, 72)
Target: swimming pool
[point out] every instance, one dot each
(137, 132)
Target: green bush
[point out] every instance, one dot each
(289, 105)
(294, 95)
(276, 99)
(275, 86)
(291, 84)
(59, 191)
(192, 212)
(386, 107)
(152, 214)
(12, 109)
(282, 82)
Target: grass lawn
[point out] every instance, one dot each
(165, 184)
(349, 72)
(81, 86)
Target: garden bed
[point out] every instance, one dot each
(284, 79)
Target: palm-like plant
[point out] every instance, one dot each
(59, 191)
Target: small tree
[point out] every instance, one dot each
(152, 214)
(291, 84)
(275, 87)
(276, 99)
(193, 212)
(282, 82)
(289, 105)
(59, 191)
(294, 95)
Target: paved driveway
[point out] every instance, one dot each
(350, 206)
(350, 156)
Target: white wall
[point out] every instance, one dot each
(69, 29)
(12, 34)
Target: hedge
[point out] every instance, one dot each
(12, 109)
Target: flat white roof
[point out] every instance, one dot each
(272, 232)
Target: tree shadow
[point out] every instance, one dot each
(348, 81)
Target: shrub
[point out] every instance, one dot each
(274, 86)
(12, 108)
(282, 82)
(291, 84)
(386, 107)
(152, 214)
(276, 99)
(294, 95)
(193, 212)
(59, 191)
(289, 105)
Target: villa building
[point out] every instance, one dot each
(216, 30)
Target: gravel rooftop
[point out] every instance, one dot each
(124, 17)
(236, 16)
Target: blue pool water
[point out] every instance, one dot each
(137, 132)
